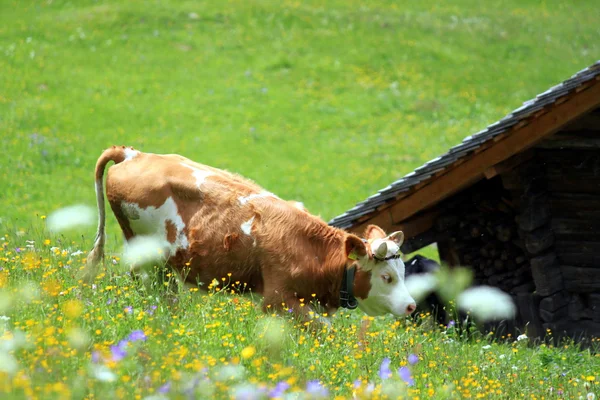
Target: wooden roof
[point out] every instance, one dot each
(484, 154)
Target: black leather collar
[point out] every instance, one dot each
(347, 299)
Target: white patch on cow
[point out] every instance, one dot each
(299, 205)
(247, 227)
(152, 221)
(199, 174)
(130, 153)
(245, 199)
(386, 298)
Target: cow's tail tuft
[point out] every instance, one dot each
(116, 154)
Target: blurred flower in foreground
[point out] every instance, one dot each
(413, 359)
(316, 389)
(144, 249)
(384, 369)
(487, 303)
(405, 375)
(102, 373)
(420, 285)
(70, 217)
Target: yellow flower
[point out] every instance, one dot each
(72, 308)
(248, 352)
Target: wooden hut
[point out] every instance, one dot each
(519, 203)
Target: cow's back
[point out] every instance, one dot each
(215, 221)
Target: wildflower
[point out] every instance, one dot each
(384, 369)
(70, 217)
(451, 323)
(316, 389)
(77, 253)
(279, 389)
(405, 375)
(128, 309)
(591, 396)
(118, 352)
(165, 388)
(144, 249)
(18, 249)
(487, 346)
(420, 285)
(4, 318)
(246, 392)
(357, 383)
(95, 357)
(230, 372)
(103, 373)
(248, 352)
(78, 338)
(487, 303)
(137, 336)
(8, 363)
(413, 359)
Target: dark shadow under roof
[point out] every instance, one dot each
(465, 148)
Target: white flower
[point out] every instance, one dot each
(420, 285)
(54, 248)
(70, 217)
(103, 373)
(487, 346)
(487, 303)
(230, 372)
(591, 396)
(8, 363)
(4, 318)
(502, 356)
(521, 337)
(144, 249)
(76, 253)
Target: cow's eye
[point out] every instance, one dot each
(386, 278)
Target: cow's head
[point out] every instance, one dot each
(379, 282)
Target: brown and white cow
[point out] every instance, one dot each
(216, 223)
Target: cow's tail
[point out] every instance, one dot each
(116, 154)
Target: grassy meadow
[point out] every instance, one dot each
(323, 102)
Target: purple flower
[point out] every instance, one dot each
(451, 323)
(165, 388)
(150, 311)
(314, 387)
(404, 373)
(18, 249)
(384, 369)
(137, 336)
(129, 309)
(95, 357)
(357, 383)
(413, 359)
(118, 352)
(279, 389)
(108, 302)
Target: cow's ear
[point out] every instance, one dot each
(355, 247)
(397, 237)
(374, 232)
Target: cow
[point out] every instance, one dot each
(215, 224)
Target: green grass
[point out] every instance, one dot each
(321, 102)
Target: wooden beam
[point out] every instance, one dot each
(472, 170)
(509, 164)
(411, 227)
